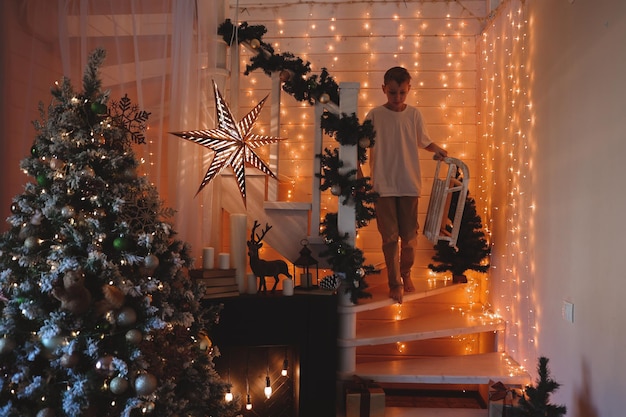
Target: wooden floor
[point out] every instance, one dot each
(434, 403)
(434, 412)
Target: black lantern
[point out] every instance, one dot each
(305, 261)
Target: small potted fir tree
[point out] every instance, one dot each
(471, 247)
(536, 400)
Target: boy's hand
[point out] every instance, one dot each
(440, 154)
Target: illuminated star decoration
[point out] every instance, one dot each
(233, 143)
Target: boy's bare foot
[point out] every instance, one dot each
(396, 294)
(408, 284)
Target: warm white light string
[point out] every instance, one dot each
(506, 160)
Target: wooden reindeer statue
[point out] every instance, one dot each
(262, 268)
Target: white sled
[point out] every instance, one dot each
(438, 226)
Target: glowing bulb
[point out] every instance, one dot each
(284, 372)
(268, 388)
(228, 397)
(248, 402)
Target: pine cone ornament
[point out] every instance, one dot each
(330, 282)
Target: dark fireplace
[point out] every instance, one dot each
(259, 334)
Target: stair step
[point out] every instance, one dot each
(441, 324)
(467, 369)
(380, 299)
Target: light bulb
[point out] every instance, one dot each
(268, 388)
(248, 403)
(228, 397)
(284, 372)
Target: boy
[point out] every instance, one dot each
(395, 173)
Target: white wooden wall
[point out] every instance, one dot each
(358, 42)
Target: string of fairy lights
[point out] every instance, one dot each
(506, 162)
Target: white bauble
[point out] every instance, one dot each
(68, 212)
(335, 189)
(118, 385)
(7, 344)
(51, 343)
(134, 336)
(126, 317)
(46, 412)
(105, 366)
(151, 262)
(145, 384)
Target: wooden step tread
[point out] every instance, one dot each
(380, 299)
(431, 326)
(434, 412)
(467, 369)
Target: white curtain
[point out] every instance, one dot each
(163, 54)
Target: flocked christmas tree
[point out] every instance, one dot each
(99, 316)
(536, 400)
(471, 248)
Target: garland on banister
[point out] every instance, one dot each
(346, 260)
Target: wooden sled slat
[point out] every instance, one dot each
(437, 225)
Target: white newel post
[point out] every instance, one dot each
(272, 183)
(346, 223)
(346, 216)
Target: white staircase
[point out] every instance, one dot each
(375, 341)
(418, 345)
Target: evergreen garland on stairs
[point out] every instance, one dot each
(346, 260)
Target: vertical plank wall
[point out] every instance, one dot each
(358, 42)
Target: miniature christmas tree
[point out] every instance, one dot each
(471, 246)
(99, 316)
(536, 400)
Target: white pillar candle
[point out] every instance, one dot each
(305, 280)
(252, 284)
(288, 287)
(223, 260)
(238, 232)
(208, 258)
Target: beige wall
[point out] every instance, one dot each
(553, 172)
(29, 52)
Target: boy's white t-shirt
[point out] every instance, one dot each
(394, 160)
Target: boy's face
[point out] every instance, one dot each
(396, 94)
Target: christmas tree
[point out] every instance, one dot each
(99, 316)
(536, 400)
(471, 246)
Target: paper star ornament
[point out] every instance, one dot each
(233, 143)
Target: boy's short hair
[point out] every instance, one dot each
(397, 74)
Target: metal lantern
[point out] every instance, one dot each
(305, 261)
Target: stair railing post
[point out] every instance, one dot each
(346, 215)
(346, 223)
(272, 184)
(316, 199)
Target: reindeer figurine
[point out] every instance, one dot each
(262, 268)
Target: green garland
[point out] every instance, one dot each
(345, 259)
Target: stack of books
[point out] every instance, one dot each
(217, 283)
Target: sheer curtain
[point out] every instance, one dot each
(163, 55)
